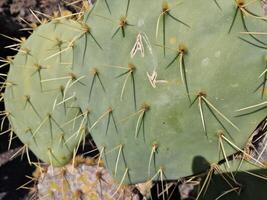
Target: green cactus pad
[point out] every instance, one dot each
(41, 111)
(165, 80)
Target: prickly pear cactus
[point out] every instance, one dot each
(164, 82)
(86, 179)
(40, 113)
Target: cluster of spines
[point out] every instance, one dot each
(85, 178)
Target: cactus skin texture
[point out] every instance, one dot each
(35, 93)
(87, 180)
(167, 82)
